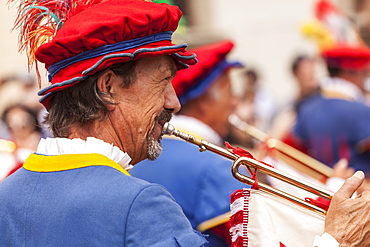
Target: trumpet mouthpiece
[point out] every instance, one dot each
(168, 129)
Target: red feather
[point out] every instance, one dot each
(339, 26)
(39, 20)
(324, 8)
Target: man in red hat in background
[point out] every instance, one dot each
(110, 65)
(335, 123)
(200, 182)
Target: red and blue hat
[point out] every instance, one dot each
(347, 57)
(193, 82)
(100, 33)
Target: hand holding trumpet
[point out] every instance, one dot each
(348, 220)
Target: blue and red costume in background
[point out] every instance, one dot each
(335, 123)
(334, 128)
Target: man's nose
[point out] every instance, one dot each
(171, 103)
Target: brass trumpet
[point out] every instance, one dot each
(291, 156)
(168, 129)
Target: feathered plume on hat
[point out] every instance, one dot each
(338, 42)
(39, 21)
(77, 38)
(330, 27)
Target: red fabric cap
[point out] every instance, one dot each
(107, 33)
(347, 57)
(108, 23)
(208, 57)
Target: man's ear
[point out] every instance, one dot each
(106, 84)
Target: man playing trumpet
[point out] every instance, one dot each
(111, 66)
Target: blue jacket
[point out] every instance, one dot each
(88, 200)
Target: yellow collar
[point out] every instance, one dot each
(336, 95)
(53, 163)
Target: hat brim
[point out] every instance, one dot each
(72, 74)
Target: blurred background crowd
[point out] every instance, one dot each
(277, 42)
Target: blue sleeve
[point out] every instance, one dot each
(217, 184)
(298, 131)
(360, 122)
(156, 220)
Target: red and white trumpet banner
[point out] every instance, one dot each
(259, 219)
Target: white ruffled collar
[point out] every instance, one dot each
(339, 85)
(196, 127)
(58, 146)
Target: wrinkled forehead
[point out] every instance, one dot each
(159, 64)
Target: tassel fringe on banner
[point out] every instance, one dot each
(239, 218)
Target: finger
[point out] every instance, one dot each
(342, 163)
(341, 166)
(340, 169)
(350, 186)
